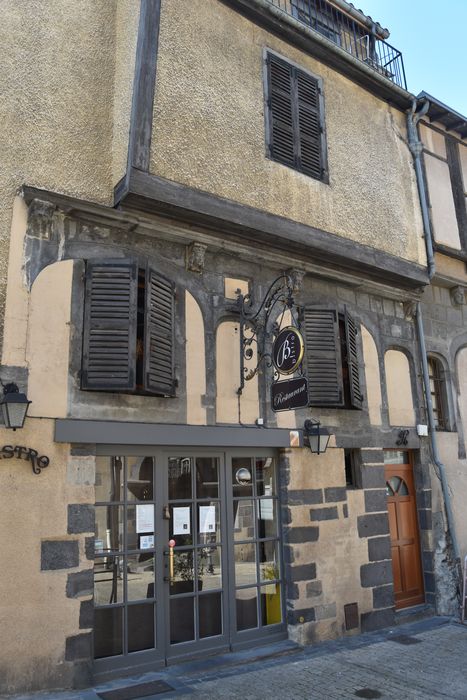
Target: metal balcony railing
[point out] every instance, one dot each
(349, 35)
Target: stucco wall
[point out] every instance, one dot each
(65, 81)
(36, 615)
(398, 386)
(209, 133)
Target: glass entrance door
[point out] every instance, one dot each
(187, 555)
(194, 559)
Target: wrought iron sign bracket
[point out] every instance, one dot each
(257, 326)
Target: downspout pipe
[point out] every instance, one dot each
(434, 445)
(416, 147)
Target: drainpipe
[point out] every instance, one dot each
(434, 446)
(416, 147)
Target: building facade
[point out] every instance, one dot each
(166, 173)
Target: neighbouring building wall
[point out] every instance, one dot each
(66, 95)
(337, 542)
(210, 94)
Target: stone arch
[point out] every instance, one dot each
(48, 340)
(195, 361)
(232, 407)
(399, 387)
(372, 376)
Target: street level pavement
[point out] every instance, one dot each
(426, 659)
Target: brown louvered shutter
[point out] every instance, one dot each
(356, 398)
(323, 357)
(159, 375)
(309, 156)
(282, 135)
(109, 338)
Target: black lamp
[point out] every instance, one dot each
(14, 406)
(316, 437)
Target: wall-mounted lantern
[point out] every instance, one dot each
(14, 406)
(315, 437)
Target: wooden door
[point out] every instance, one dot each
(403, 528)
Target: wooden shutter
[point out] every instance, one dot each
(309, 156)
(159, 375)
(323, 357)
(109, 339)
(356, 398)
(281, 118)
(295, 131)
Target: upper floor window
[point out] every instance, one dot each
(333, 366)
(128, 338)
(316, 17)
(295, 125)
(438, 393)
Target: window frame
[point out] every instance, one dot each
(150, 369)
(268, 115)
(334, 357)
(439, 392)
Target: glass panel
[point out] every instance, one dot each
(108, 580)
(109, 479)
(183, 573)
(182, 626)
(140, 627)
(108, 632)
(140, 526)
(396, 457)
(210, 615)
(244, 525)
(403, 490)
(271, 604)
(109, 529)
(394, 483)
(209, 527)
(266, 477)
(181, 524)
(247, 615)
(267, 520)
(140, 478)
(209, 568)
(207, 477)
(140, 576)
(268, 561)
(389, 491)
(242, 476)
(245, 564)
(180, 469)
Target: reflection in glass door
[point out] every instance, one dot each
(195, 549)
(256, 543)
(187, 555)
(124, 564)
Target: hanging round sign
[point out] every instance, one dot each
(288, 350)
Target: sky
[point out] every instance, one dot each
(432, 37)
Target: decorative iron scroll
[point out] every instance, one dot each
(258, 327)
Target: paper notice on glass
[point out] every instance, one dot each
(181, 521)
(146, 542)
(266, 509)
(207, 519)
(144, 518)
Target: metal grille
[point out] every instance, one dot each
(349, 35)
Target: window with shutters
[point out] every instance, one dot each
(128, 338)
(332, 358)
(295, 123)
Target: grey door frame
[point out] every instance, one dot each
(230, 639)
